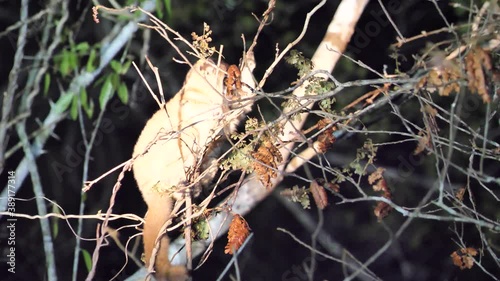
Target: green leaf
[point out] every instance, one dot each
(90, 63)
(87, 259)
(115, 80)
(168, 7)
(87, 105)
(123, 93)
(46, 84)
(159, 9)
(64, 67)
(201, 230)
(90, 109)
(73, 61)
(55, 221)
(116, 66)
(63, 102)
(82, 47)
(73, 113)
(106, 92)
(55, 229)
(126, 66)
(84, 98)
(101, 79)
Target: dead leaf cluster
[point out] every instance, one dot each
(202, 42)
(463, 258)
(267, 158)
(444, 79)
(319, 195)
(477, 64)
(326, 138)
(237, 234)
(378, 183)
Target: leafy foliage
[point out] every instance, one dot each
(202, 42)
(298, 194)
(255, 151)
(366, 153)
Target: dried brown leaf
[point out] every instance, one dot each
(382, 210)
(460, 194)
(421, 83)
(237, 234)
(319, 195)
(430, 110)
(233, 82)
(326, 138)
(443, 78)
(381, 185)
(423, 143)
(267, 158)
(376, 179)
(475, 60)
(463, 258)
(328, 185)
(375, 176)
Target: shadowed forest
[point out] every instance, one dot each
(371, 151)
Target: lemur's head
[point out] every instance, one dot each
(220, 84)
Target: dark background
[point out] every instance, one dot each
(422, 252)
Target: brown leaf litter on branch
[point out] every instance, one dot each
(378, 183)
(477, 62)
(463, 258)
(237, 234)
(445, 76)
(267, 158)
(326, 138)
(319, 195)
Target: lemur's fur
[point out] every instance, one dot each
(171, 151)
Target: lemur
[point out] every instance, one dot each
(173, 151)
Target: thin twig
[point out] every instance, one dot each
(101, 230)
(89, 144)
(234, 259)
(290, 45)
